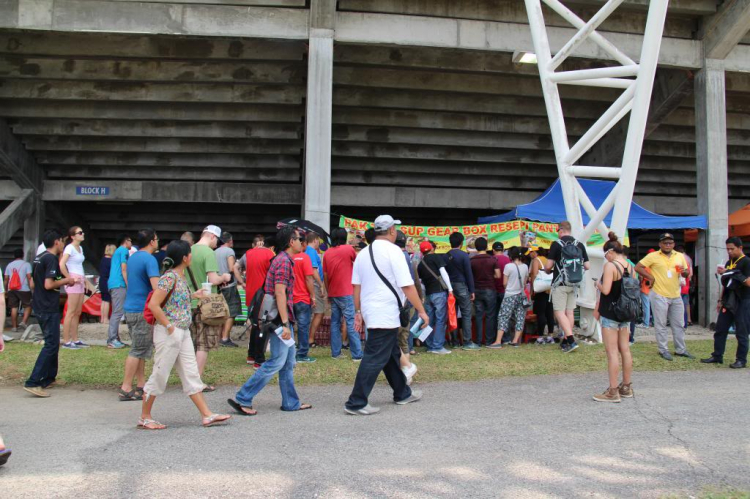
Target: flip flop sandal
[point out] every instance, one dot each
(4, 455)
(305, 407)
(215, 419)
(209, 388)
(150, 424)
(241, 408)
(127, 396)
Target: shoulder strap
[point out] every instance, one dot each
(428, 268)
(382, 277)
(622, 272)
(519, 274)
(169, 295)
(192, 279)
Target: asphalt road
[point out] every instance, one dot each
(516, 437)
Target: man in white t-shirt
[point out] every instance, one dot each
(376, 306)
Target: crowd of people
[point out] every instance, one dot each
(180, 301)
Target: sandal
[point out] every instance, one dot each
(139, 392)
(241, 409)
(127, 396)
(304, 407)
(150, 424)
(215, 419)
(209, 388)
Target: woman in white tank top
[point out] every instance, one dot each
(71, 265)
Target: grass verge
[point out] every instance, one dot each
(103, 368)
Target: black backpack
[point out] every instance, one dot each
(628, 308)
(570, 265)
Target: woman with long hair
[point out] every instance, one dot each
(104, 268)
(515, 277)
(71, 265)
(615, 333)
(170, 305)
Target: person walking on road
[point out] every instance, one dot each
(46, 304)
(170, 305)
(735, 279)
(382, 283)
(666, 266)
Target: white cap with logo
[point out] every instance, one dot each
(215, 230)
(385, 222)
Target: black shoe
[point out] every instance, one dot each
(685, 354)
(666, 355)
(228, 343)
(738, 365)
(712, 360)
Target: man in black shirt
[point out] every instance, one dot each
(563, 295)
(46, 305)
(437, 285)
(740, 316)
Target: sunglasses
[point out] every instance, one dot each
(79, 233)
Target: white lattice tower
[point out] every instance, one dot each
(636, 82)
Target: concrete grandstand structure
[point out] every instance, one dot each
(180, 113)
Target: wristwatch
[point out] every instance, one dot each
(288, 324)
(357, 311)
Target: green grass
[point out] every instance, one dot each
(102, 367)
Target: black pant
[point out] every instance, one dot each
(381, 354)
(259, 337)
(545, 316)
(484, 306)
(45, 369)
(741, 320)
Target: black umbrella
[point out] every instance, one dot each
(305, 226)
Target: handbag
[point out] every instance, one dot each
(438, 278)
(525, 302)
(403, 311)
(452, 315)
(147, 314)
(213, 308)
(542, 282)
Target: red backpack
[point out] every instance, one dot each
(15, 281)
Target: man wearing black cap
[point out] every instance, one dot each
(666, 266)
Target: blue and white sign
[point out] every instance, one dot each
(91, 190)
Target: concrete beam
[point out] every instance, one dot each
(164, 145)
(132, 160)
(12, 218)
(692, 7)
(438, 153)
(249, 3)
(96, 174)
(151, 111)
(16, 161)
(178, 192)
(114, 45)
(132, 128)
(737, 82)
(725, 29)
(163, 18)
(686, 117)
(495, 36)
(151, 92)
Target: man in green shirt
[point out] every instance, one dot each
(204, 268)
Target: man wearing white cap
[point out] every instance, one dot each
(382, 283)
(205, 268)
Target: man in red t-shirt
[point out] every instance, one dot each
(304, 301)
(338, 263)
(255, 262)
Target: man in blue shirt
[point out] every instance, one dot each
(458, 266)
(143, 277)
(313, 243)
(118, 288)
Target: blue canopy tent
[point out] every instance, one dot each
(550, 207)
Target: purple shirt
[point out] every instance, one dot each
(502, 261)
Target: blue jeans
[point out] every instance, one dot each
(686, 303)
(381, 354)
(463, 303)
(303, 315)
(45, 369)
(282, 362)
(344, 305)
(484, 304)
(436, 306)
(646, 302)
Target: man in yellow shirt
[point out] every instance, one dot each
(666, 266)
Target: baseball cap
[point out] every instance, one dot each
(666, 236)
(216, 231)
(400, 239)
(533, 247)
(651, 250)
(385, 222)
(425, 246)
(498, 246)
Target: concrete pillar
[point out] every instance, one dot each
(711, 158)
(33, 228)
(318, 125)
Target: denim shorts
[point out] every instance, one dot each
(610, 324)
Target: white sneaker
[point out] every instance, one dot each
(8, 338)
(367, 410)
(409, 372)
(415, 395)
(442, 351)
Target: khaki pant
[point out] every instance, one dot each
(173, 350)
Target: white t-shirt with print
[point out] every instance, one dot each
(514, 285)
(75, 260)
(379, 305)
